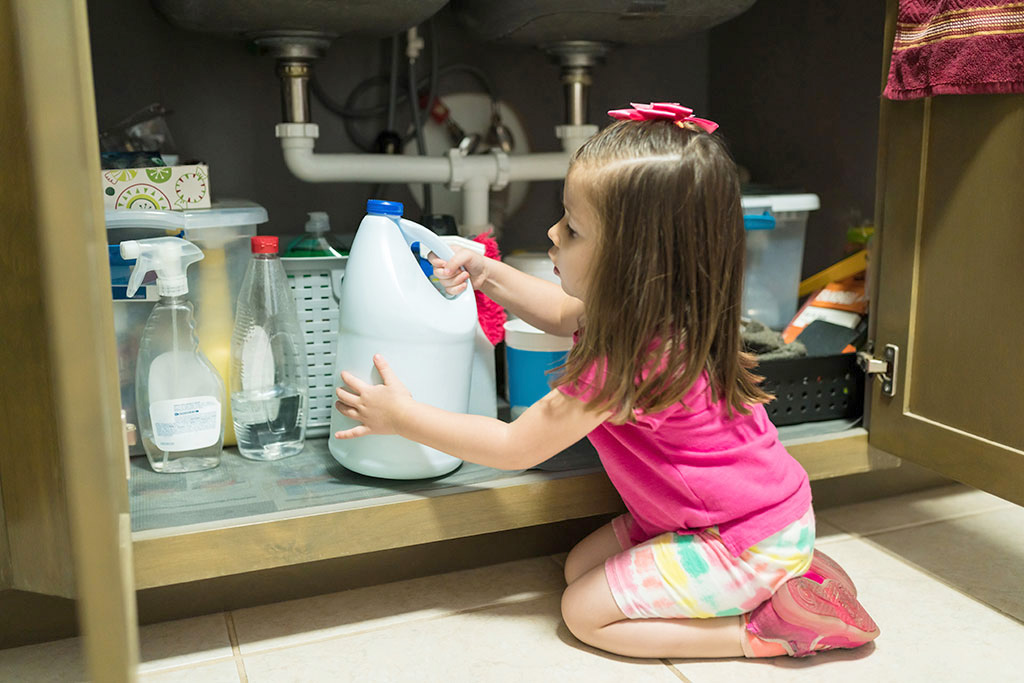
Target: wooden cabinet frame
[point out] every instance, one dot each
(947, 284)
(170, 556)
(63, 492)
(64, 497)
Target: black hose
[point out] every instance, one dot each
(434, 69)
(348, 111)
(393, 83)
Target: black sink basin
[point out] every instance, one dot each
(249, 18)
(629, 22)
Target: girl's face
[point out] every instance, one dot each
(574, 238)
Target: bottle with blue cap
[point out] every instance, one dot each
(388, 305)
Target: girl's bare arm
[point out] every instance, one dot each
(545, 429)
(539, 302)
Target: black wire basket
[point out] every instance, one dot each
(813, 389)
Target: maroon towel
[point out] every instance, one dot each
(957, 47)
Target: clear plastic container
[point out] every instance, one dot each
(774, 255)
(222, 232)
(269, 385)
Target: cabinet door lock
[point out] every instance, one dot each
(884, 367)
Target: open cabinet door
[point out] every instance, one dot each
(63, 459)
(949, 286)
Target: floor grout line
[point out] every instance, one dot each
(936, 578)
(828, 540)
(557, 561)
(186, 666)
(929, 574)
(384, 627)
(911, 525)
(229, 621)
(677, 672)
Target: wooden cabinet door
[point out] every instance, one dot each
(63, 457)
(949, 286)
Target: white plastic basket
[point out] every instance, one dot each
(316, 283)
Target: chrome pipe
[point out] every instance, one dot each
(294, 75)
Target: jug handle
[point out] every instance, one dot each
(414, 232)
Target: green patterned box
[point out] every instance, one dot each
(174, 188)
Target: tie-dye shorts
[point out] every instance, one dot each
(677, 576)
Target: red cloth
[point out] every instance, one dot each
(491, 315)
(957, 47)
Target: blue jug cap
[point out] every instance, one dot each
(385, 208)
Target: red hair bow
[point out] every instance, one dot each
(670, 111)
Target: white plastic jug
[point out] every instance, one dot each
(389, 306)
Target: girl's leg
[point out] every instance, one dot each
(591, 552)
(592, 615)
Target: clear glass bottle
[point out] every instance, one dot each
(269, 386)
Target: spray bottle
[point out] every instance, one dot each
(317, 240)
(178, 393)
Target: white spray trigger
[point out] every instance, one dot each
(168, 257)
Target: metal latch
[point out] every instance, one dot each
(885, 366)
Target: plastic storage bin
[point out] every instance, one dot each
(222, 232)
(775, 255)
(316, 285)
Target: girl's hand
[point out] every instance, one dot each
(376, 406)
(466, 264)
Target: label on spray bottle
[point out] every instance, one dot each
(185, 424)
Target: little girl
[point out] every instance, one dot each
(715, 557)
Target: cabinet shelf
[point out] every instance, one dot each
(236, 524)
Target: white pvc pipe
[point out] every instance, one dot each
(474, 175)
(475, 206)
(367, 168)
(541, 166)
(319, 168)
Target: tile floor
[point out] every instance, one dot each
(942, 571)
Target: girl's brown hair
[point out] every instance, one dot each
(665, 287)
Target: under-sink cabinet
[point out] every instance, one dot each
(946, 280)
